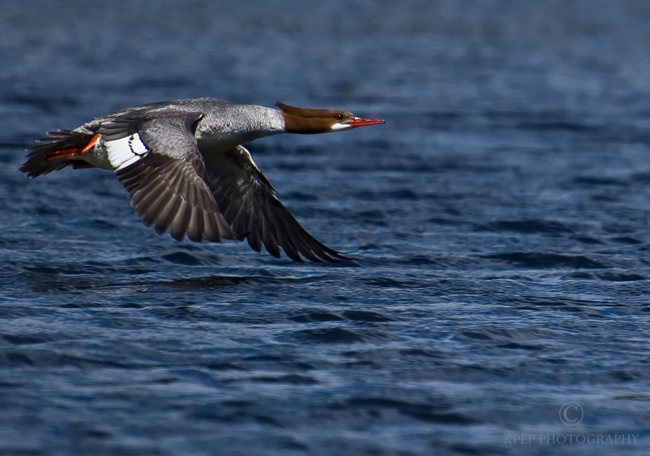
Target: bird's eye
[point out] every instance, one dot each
(339, 117)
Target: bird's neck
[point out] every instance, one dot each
(238, 124)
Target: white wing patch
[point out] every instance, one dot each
(126, 151)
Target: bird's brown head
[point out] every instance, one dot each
(312, 121)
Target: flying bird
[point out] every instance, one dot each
(186, 170)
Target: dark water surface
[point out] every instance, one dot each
(499, 224)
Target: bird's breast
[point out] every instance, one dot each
(220, 141)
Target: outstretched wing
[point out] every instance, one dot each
(248, 203)
(158, 162)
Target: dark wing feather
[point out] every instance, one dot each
(166, 186)
(249, 205)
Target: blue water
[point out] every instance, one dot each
(498, 225)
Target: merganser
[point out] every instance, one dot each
(184, 167)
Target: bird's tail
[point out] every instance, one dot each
(60, 149)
